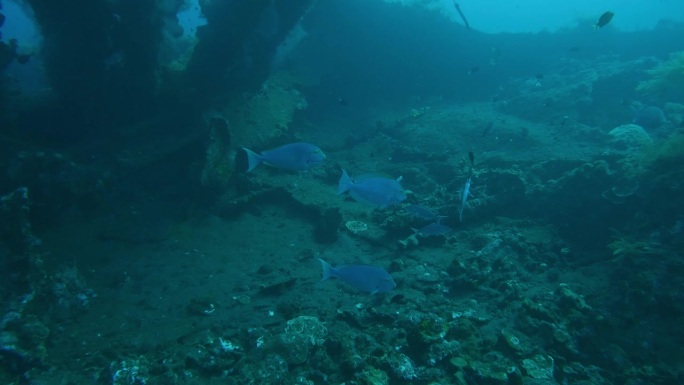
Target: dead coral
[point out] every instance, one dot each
(624, 246)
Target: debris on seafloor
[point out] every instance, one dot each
(356, 226)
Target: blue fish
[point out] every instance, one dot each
(372, 190)
(367, 278)
(433, 230)
(293, 156)
(423, 212)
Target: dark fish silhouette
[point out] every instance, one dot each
(458, 8)
(604, 19)
(488, 128)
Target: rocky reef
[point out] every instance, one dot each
(260, 117)
(665, 80)
(34, 296)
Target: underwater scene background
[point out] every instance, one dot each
(341, 192)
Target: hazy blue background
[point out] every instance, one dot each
(495, 16)
(492, 16)
(489, 16)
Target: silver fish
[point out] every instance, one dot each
(464, 197)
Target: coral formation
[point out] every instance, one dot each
(662, 160)
(132, 371)
(310, 327)
(630, 137)
(624, 246)
(257, 118)
(356, 227)
(292, 347)
(666, 80)
(539, 367)
(675, 113)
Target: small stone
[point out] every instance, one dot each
(458, 362)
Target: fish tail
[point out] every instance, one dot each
(344, 184)
(253, 159)
(328, 270)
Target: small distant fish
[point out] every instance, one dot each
(423, 212)
(293, 156)
(366, 278)
(372, 190)
(343, 102)
(604, 19)
(434, 229)
(488, 128)
(474, 70)
(464, 198)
